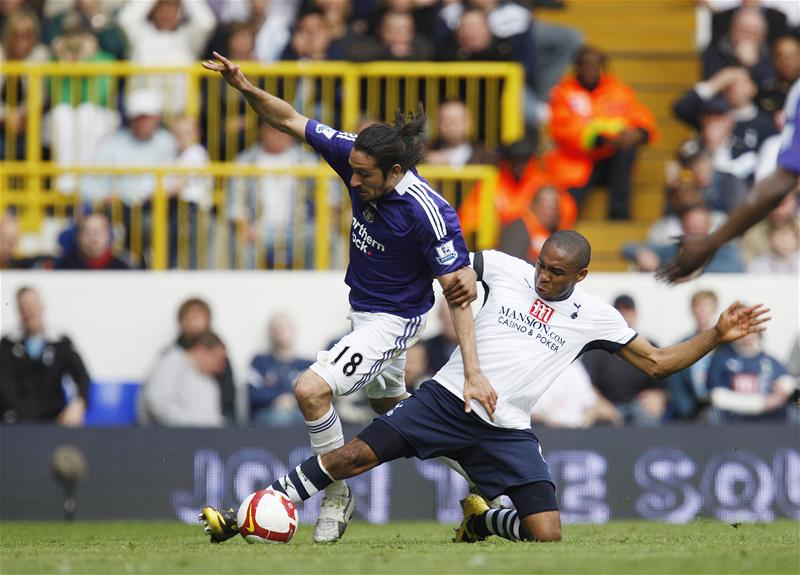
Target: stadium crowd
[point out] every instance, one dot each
(191, 383)
(584, 126)
(584, 129)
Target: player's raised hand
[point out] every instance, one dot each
(477, 387)
(693, 254)
(231, 72)
(462, 290)
(738, 320)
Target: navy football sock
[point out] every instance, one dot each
(304, 481)
(502, 522)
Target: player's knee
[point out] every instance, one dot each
(311, 389)
(549, 535)
(542, 527)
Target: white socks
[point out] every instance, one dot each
(326, 435)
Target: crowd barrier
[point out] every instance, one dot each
(234, 228)
(675, 474)
(336, 93)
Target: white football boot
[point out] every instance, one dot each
(334, 515)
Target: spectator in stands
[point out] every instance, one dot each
(523, 238)
(681, 197)
(194, 318)
(730, 92)
(395, 39)
(519, 179)
(597, 126)
(783, 256)
(695, 220)
(268, 21)
(270, 210)
(143, 142)
(20, 42)
(417, 367)
(694, 168)
(92, 247)
(424, 12)
(233, 121)
(271, 378)
(756, 241)
(748, 385)
(83, 110)
(239, 40)
(8, 7)
(188, 195)
(512, 27)
(9, 238)
(639, 399)
(181, 390)
(573, 402)
(744, 45)
(42, 375)
(687, 389)
(311, 38)
(166, 32)
(440, 347)
(453, 146)
(786, 61)
(473, 41)
(775, 13)
(97, 18)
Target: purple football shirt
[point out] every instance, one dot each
(397, 244)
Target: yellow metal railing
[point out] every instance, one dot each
(336, 93)
(176, 233)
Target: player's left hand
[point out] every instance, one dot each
(477, 387)
(693, 254)
(738, 320)
(463, 289)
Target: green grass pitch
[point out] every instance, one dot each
(401, 547)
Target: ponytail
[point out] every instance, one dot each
(400, 144)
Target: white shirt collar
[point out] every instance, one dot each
(408, 180)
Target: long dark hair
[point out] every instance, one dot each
(399, 144)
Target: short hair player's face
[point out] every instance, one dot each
(368, 180)
(557, 272)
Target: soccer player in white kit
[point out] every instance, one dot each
(403, 234)
(534, 322)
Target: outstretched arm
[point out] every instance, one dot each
(277, 112)
(695, 251)
(735, 322)
(476, 386)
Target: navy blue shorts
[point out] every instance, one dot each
(433, 423)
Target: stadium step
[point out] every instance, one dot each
(660, 26)
(650, 44)
(607, 240)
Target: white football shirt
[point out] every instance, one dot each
(525, 342)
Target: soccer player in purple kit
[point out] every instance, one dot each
(695, 251)
(403, 234)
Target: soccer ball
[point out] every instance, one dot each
(267, 516)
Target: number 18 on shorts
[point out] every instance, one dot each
(372, 356)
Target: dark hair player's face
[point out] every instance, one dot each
(556, 273)
(367, 180)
